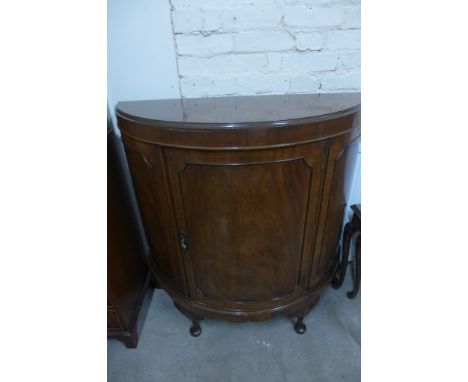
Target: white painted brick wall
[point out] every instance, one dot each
(266, 46)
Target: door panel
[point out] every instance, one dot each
(249, 218)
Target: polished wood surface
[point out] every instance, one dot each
(127, 269)
(242, 198)
(215, 131)
(232, 112)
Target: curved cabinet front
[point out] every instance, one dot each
(243, 218)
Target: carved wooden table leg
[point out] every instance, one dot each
(357, 279)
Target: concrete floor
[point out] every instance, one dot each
(248, 352)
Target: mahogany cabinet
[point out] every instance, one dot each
(127, 269)
(242, 198)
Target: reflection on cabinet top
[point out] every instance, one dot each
(234, 112)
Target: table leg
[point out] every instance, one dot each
(341, 271)
(357, 259)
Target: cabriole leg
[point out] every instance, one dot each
(299, 326)
(341, 272)
(357, 279)
(195, 329)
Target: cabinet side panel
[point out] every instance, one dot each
(341, 162)
(146, 167)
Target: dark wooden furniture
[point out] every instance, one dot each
(351, 228)
(242, 198)
(127, 270)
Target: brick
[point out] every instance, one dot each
(274, 61)
(314, 3)
(309, 62)
(349, 81)
(261, 41)
(352, 18)
(212, 20)
(226, 19)
(189, 20)
(309, 41)
(350, 60)
(207, 86)
(224, 64)
(179, 4)
(204, 45)
(262, 84)
(303, 84)
(242, 84)
(348, 39)
(186, 21)
(250, 17)
(302, 16)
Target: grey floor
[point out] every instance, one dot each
(264, 351)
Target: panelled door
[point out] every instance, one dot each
(247, 220)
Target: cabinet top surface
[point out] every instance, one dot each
(232, 111)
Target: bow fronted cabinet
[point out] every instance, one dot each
(243, 198)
